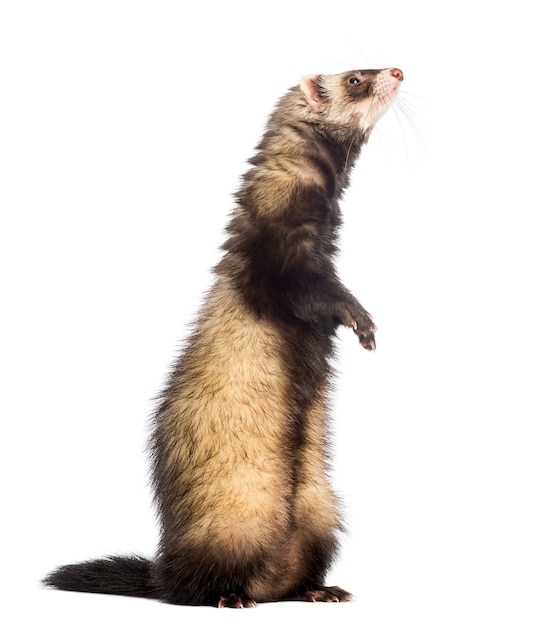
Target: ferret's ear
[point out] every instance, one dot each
(309, 85)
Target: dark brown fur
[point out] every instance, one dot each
(240, 439)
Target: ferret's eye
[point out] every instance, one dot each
(354, 80)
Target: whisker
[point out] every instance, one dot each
(396, 110)
(349, 152)
(411, 95)
(401, 105)
(368, 62)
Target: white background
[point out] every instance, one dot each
(124, 129)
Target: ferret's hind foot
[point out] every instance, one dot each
(325, 594)
(236, 601)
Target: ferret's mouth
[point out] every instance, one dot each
(388, 83)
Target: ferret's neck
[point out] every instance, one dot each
(312, 148)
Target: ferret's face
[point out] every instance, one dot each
(354, 100)
(368, 94)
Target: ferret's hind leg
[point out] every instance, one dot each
(324, 594)
(316, 512)
(197, 578)
(236, 601)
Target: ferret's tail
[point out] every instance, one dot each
(118, 575)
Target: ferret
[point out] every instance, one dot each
(239, 447)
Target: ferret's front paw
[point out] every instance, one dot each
(361, 322)
(365, 332)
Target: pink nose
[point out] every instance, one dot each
(396, 73)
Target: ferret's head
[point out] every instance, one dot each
(351, 102)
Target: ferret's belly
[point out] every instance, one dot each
(228, 427)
